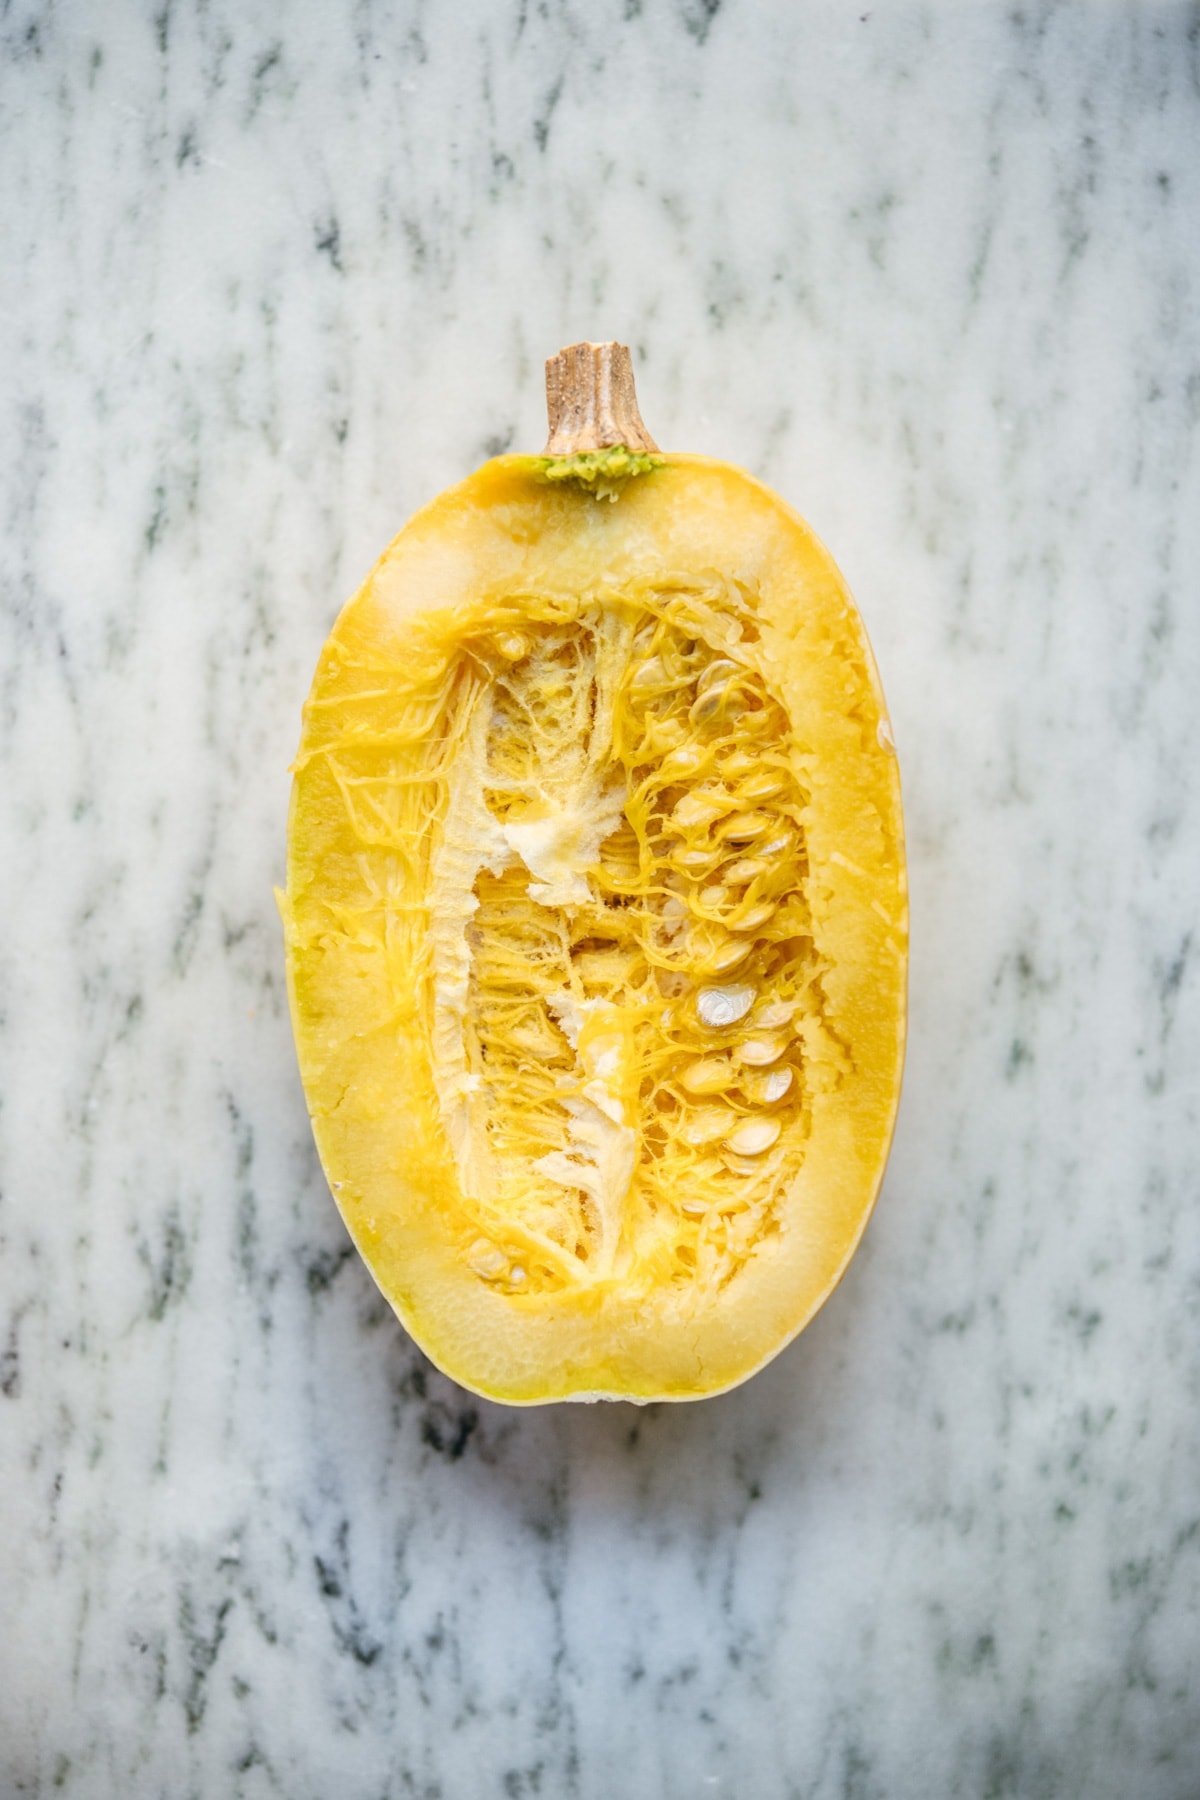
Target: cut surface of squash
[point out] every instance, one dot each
(596, 926)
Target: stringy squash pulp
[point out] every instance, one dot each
(595, 925)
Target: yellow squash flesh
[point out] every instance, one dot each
(596, 929)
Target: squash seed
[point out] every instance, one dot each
(718, 670)
(744, 827)
(769, 1085)
(728, 955)
(765, 784)
(757, 1051)
(698, 808)
(718, 1007)
(755, 918)
(707, 1124)
(753, 1137)
(707, 1075)
(745, 869)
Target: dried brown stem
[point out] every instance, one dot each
(592, 402)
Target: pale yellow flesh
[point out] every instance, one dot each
(596, 930)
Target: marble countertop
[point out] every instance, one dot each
(272, 277)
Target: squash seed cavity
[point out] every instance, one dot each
(610, 1000)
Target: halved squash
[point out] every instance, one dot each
(596, 916)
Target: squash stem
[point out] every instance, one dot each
(592, 402)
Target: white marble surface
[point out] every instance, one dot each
(271, 277)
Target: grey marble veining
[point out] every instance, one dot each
(273, 276)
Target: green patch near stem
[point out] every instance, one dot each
(603, 472)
